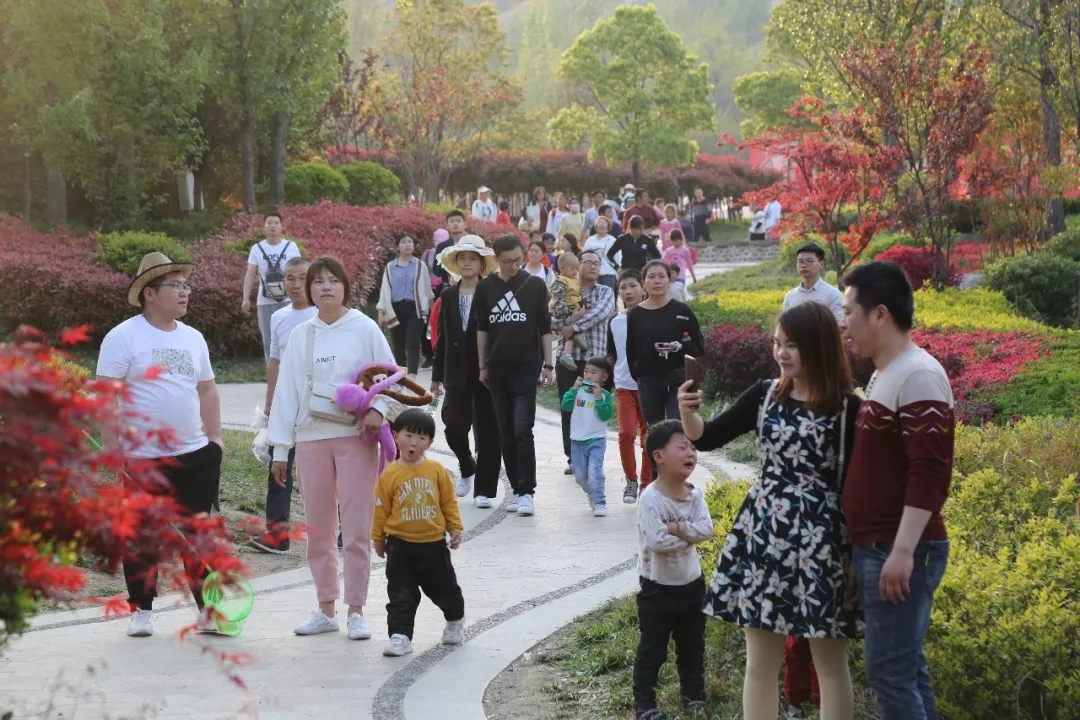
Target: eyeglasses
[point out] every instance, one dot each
(591, 263)
(511, 261)
(178, 287)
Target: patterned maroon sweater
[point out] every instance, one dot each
(903, 450)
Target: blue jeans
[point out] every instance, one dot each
(587, 459)
(895, 663)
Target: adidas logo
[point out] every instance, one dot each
(507, 310)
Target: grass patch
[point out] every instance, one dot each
(768, 275)
(725, 233)
(744, 449)
(239, 370)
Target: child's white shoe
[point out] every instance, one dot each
(454, 634)
(399, 645)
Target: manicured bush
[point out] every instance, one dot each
(125, 250)
(1049, 386)
(370, 184)
(978, 308)
(1066, 244)
(885, 240)
(917, 264)
(307, 183)
(1039, 285)
(1072, 206)
(735, 358)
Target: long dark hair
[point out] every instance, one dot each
(812, 327)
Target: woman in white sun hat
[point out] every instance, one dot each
(457, 371)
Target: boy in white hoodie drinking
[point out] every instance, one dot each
(591, 407)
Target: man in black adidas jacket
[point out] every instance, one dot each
(513, 330)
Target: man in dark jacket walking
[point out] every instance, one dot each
(457, 368)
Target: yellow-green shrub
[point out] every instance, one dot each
(124, 251)
(724, 498)
(973, 309)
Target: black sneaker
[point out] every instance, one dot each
(569, 469)
(648, 714)
(629, 495)
(267, 543)
(340, 544)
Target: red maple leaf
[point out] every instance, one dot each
(75, 335)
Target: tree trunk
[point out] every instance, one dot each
(277, 157)
(247, 161)
(28, 188)
(55, 197)
(1051, 123)
(636, 173)
(197, 190)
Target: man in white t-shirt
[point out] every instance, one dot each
(282, 323)
(772, 214)
(483, 208)
(267, 262)
(165, 366)
(811, 263)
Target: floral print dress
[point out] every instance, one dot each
(784, 566)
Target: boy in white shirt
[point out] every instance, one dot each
(672, 519)
(266, 261)
(627, 406)
(590, 407)
(279, 497)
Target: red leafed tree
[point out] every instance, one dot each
(929, 110)
(59, 499)
(347, 118)
(835, 187)
(443, 87)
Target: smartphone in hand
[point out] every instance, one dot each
(694, 371)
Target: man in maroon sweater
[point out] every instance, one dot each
(896, 483)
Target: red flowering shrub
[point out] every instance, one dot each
(57, 504)
(52, 281)
(736, 358)
(917, 264)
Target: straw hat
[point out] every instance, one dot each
(470, 243)
(153, 266)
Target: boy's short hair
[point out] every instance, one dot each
(504, 205)
(631, 274)
(811, 247)
(637, 223)
(272, 213)
(455, 213)
(416, 421)
(559, 260)
(660, 435)
(602, 362)
(296, 262)
(506, 243)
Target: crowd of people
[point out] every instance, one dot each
(839, 538)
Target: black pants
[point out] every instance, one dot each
(194, 478)
(412, 567)
(668, 612)
(564, 380)
(701, 228)
(406, 336)
(513, 394)
(659, 398)
(279, 501)
(466, 409)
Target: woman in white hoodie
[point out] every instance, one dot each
(335, 464)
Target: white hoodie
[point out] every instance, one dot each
(340, 349)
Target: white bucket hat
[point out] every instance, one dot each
(468, 243)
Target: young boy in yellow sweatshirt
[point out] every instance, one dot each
(415, 506)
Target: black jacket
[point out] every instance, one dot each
(456, 363)
(636, 251)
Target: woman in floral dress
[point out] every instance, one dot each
(784, 568)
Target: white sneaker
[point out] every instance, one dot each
(482, 502)
(600, 511)
(142, 624)
(454, 633)
(512, 506)
(525, 505)
(464, 485)
(358, 627)
(318, 623)
(399, 645)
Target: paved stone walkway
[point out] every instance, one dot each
(523, 578)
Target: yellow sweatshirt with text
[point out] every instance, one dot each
(415, 503)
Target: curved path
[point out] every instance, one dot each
(523, 578)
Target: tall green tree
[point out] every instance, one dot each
(765, 98)
(639, 92)
(106, 93)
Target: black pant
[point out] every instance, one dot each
(513, 394)
(701, 228)
(194, 479)
(670, 612)
(459, 417)
(279, 501)
(659, 398)
(611, 281)
(406, 335)
(412, 567)
(564, 380)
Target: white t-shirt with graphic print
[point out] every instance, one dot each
(169, 401)
(273, 252)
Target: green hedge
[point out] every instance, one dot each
(370, 184)
(123, 251)
(242, 246)
(1041, 286)
(307, 183)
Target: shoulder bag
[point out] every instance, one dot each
(321, 403)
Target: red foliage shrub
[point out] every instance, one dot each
(55, 503)
(917, 264)
(521, 171)
(968, 256)
(52, 281)
(736, 358)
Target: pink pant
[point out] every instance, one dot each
(340, 470)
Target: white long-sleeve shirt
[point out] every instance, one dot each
(662, 557)
(340, 350)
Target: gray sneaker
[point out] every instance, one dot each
(629, 494)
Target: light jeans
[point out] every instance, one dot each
(587, 459)
(264, 313)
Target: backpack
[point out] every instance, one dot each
(273, 282)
